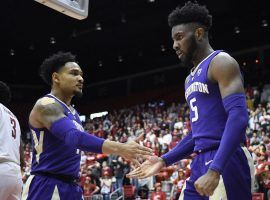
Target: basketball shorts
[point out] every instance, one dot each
(236, 181)
(10, 181)
(40, 187)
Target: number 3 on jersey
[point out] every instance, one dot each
(13, 124)
(194, 109)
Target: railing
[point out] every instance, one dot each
(93, 197)
(114, 195)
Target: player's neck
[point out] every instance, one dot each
(201, 53)
(64, 98)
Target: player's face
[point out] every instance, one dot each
(71, 79)
(184, 43)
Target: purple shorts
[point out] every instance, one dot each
(236, 181)
(46, 188)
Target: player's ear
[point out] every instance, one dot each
(199, 34)
(55, 77)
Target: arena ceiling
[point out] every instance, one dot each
(134, 35)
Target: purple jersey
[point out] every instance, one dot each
(51, 155)
(207, 114)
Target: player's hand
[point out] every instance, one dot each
(206, 184)
(150, 167)
(133, 151)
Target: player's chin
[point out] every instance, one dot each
(182, 58)
(78, 93)
(186, 62)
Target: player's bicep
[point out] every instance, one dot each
(226, 72)
(48, 111)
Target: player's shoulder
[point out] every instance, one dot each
(43, 101)
(46, 103)
(43, 111)
(223, 66)
(5, 110)
(1, 108)
(223, 59)
(223, 62)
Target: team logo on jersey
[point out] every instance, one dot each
(196, 87)
(199, 72)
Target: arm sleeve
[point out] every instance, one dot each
(65, 130)
(234, 132)
(184, 148)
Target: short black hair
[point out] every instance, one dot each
(53, 64)
(5, 94)
(191, 12)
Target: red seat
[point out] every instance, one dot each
(129, 191)
(257, 196)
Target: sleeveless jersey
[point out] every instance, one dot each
(50, 154)
(207, 114)
(10, 134)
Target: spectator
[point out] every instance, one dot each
(158, 194)
(106, 185)
(89, 188)
(255, 140)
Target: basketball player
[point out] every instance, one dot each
(58, 135)
(223, 168)
(10, 134)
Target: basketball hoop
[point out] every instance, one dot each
(77, 9)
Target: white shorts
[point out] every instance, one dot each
(10, 181)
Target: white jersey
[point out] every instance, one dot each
(10, 134)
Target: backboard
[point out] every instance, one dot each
(77, 9)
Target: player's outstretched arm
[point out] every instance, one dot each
(49, 113)
(183, 149)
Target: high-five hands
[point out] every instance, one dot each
(133, 152)
(150, 167)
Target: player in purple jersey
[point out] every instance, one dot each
(223, 168)
(58, 135)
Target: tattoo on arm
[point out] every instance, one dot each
(49, 113)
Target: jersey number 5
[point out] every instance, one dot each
(194, 109)
(13, 124)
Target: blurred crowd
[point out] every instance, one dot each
(163, 125)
